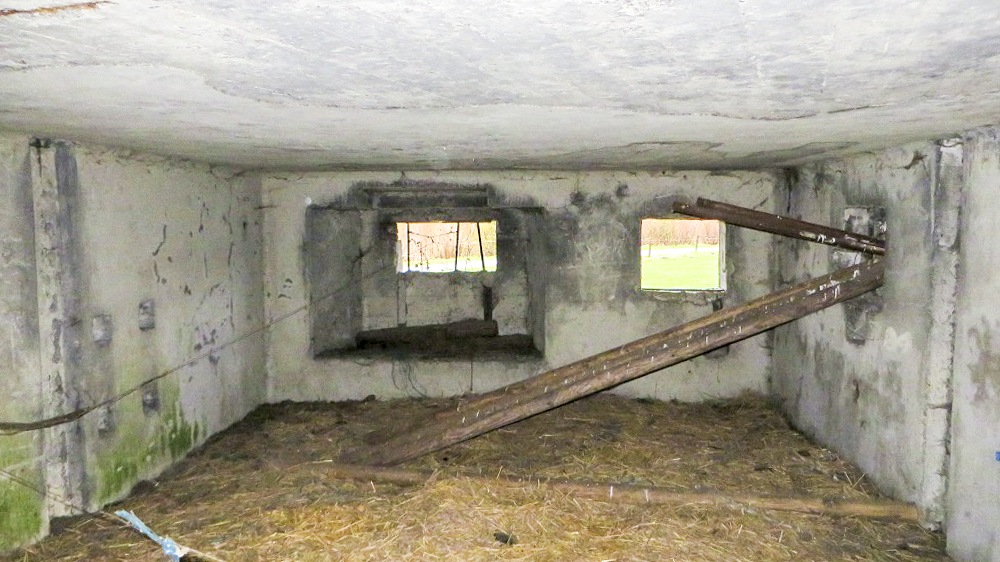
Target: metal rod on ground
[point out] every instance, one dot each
(624, 363)
(627, 493)
(784, 226)
(407, 246)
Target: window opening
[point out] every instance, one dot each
(446, 246)
(682, 255)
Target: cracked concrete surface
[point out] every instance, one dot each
(595, 84)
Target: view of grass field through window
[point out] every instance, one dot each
(446, 246)
(681, 254)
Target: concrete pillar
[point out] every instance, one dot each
(973, 519)
(948, 190)
(23, 512)
(61, 326)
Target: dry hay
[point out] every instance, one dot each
(251, 494)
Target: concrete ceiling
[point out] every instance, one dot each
(581, 84)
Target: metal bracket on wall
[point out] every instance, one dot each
(859, 313)
(717, 305)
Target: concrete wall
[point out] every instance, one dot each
(916, 404)
(583, 272)
(973, 527)
(118, 236)
(880, 400)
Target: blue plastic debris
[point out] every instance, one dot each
(170, 548)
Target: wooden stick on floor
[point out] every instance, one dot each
(627, 493)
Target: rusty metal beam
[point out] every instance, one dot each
(784, 226)
(621, 364)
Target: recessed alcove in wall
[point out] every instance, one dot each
(363, 302)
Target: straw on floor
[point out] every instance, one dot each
(246, 497)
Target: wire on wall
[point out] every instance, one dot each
(13, 428)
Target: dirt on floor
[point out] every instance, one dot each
(255, 493)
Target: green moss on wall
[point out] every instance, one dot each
(179, 437)
(144, 445)
(21, 508)
(20, 515)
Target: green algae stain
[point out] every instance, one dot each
(180, 438)
(116, 477)
(144, 446)
(20, 515)
(22, 509)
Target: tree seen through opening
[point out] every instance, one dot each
(446, 246)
